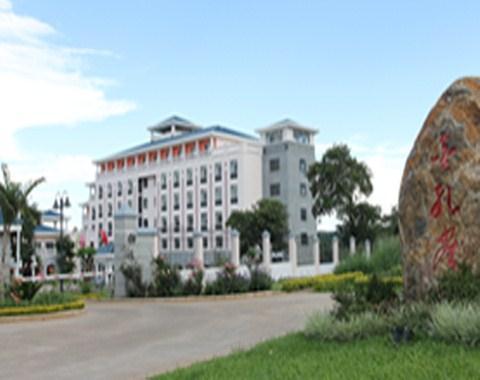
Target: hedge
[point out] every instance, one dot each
(41, 309)
(331, 282)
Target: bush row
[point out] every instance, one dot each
(41, 308)
(333, 282)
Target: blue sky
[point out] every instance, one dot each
(82, 79)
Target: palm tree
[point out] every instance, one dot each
(13, 202)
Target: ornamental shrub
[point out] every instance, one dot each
(228, 282)
(259, 280)
(194, 284)
(326, 327)
(166, 279)
(134, 284)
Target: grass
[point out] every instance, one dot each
(296, 357)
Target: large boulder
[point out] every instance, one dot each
(439, 201)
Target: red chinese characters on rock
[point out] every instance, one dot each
(448, 239)
(445, 152)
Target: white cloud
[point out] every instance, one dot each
(42, 84)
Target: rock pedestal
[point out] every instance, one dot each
(439, 201)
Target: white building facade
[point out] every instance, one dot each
(186, 180)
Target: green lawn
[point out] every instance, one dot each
(295, 357)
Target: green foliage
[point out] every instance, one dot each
(267, 215)
(456, 323)
(65, 254)
(412, 317)
(458, 285)
(86, 255)
(194, 284)
(228, 282)
(24, 291)
(86, 286)
(166, 279)
(360, 220)
(325, 327)
(259, 280)
(54, 298)
(385, 259)
(373, 295)
(132, 271)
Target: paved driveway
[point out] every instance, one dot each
(133, 339)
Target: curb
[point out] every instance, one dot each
(42, 317)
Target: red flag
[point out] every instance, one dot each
(104, 237)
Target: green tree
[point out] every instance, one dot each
(267, 215)
(340, 183)
(390, 223)
(65, 254)
(30, 220)
(86, 255)
(13, 204)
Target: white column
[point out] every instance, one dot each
(368, 248)
(235, 252)
(335, 249)
(292, 253)
(155, 246)
(316, 254)
(266, 249)
(198, 249)
(352, 245)
(18, 263)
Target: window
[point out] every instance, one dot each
(301, 137)
(93, 213)
(218, 171)
(176, 201)
(274, 165)
(140, 205)
(100, 211)
(303, 189)
(274, 189)
(109, 190)
(119, 205)
(203, 198)
(205, 243)
(176, 178)
(145, 203)
(189, 199)
(164, 224)
(49, 245)
(189, 222)
(145, 223)
(218, 196)
(145, 183)
(233, 169)
(218, 220)
(164, 244)
(189, 177)
(233, 194)
(189, 243)
(100, 192)
(303, 214)
(176, 243)
(119, 189)
(275, 136)
(203, 174)
(110, 210)
(164, 202)
(130, 187)
(130, 203)
(204, 221)
(302, 166)
(163, 181)
(100, 227)
(219, 242)
(176, 223)
(110, 229)
(304, 239)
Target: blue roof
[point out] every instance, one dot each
(169, 140)
(41, 228)
(51, 213)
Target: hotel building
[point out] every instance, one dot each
(188, 179)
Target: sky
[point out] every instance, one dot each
(80, 80)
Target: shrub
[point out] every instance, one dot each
(456, 323)
(461, 284)
(385, 259)
(86, 287)
(166, 279)
(54, 298)
(194, 284)
(325, 327)
(41, 309)
(228, 282)
(327, 282)
(259, 280)
(413, 317)
(24, 291)
(133, 279)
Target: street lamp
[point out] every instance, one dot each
(61, 202)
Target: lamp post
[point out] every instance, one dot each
(61, 202)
